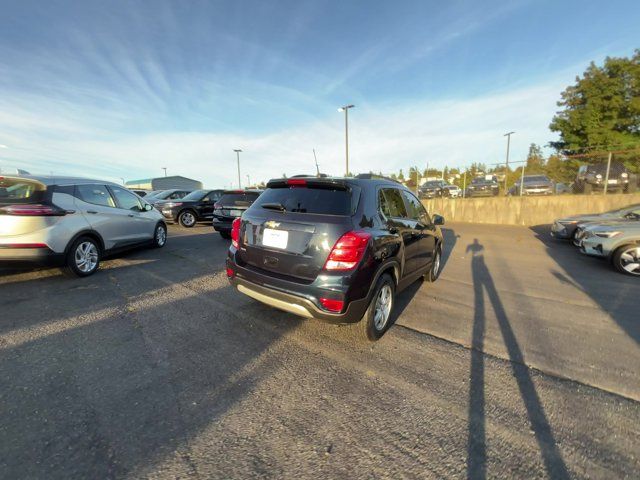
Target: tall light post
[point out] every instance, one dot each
(165, 171)
(248, 181)
(506, 165)
(237, 150)
(345, 109)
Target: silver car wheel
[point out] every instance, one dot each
(188, 219)
(436, 264)
(630, 260)
(86, 257)
(383, 306)
(161, 235)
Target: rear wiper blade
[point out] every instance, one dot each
(274, 206)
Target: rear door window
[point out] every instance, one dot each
(238, 199)
(95, 194)
(319, 201)
(391, 203)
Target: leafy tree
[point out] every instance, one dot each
(400, 175)
(535, 160)
(602, 109)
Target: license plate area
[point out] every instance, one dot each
(275, 238)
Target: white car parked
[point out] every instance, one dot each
(72, 222)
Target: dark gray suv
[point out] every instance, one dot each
(335, 249)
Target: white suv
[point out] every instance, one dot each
(72, 222)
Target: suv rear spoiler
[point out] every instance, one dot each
(313, 182)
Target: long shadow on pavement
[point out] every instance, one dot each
(476, 445)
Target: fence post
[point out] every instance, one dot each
(522, 180)
(606, 178)
(464, 184)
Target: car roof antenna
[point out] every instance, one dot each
(316, 159)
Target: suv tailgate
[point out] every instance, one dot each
(296, 240)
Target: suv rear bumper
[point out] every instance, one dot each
(39, 256)
(259, 287)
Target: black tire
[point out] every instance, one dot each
(617, 260)
(187, 218)
(587, 189)
(368, 328)
(93, 254)
(225, 235)
(159, 240)
(434, 271)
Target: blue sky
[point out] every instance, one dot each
(122, 88)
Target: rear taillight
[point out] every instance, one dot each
(348, 251)
(230, 272)
(297, 182)
(36, 210)
(332, 305)
(24, 245)
(235, 232)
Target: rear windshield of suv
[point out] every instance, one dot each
(319, 201)
(238, 199)
(19, 190)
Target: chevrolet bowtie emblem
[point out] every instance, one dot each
(272, 224)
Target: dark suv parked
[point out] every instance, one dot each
(486, 186)
(231, 205)
(592, 178)
(195, 207)
(335, 249)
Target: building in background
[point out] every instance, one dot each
(165, 183)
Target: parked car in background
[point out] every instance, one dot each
(173, 194)
(140, 193)
(532, 185)
(335, 249)
(72, 222)
(565, 228)
(592, 178)
(231, 205)
(196, 207)
(561, 188)
(451, 191)
(618, 242)
(582, 230)
(431, 189)
(485, 186)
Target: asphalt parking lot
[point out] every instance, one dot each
(522, 361)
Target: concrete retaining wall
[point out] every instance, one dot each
(526, 211)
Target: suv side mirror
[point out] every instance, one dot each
(147, 207)
(438, 219)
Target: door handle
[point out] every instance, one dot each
(130, 215)
(92, 212)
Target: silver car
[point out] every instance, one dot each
(72, 222)
(619, 242)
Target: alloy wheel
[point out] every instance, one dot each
(188, 219)
(630, 260)
(382, 310)
(161, 235)
(86, 257)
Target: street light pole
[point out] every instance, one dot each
(345, 109)
(506, 165)
(248, 181)
(238, 158)
(165, 171)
